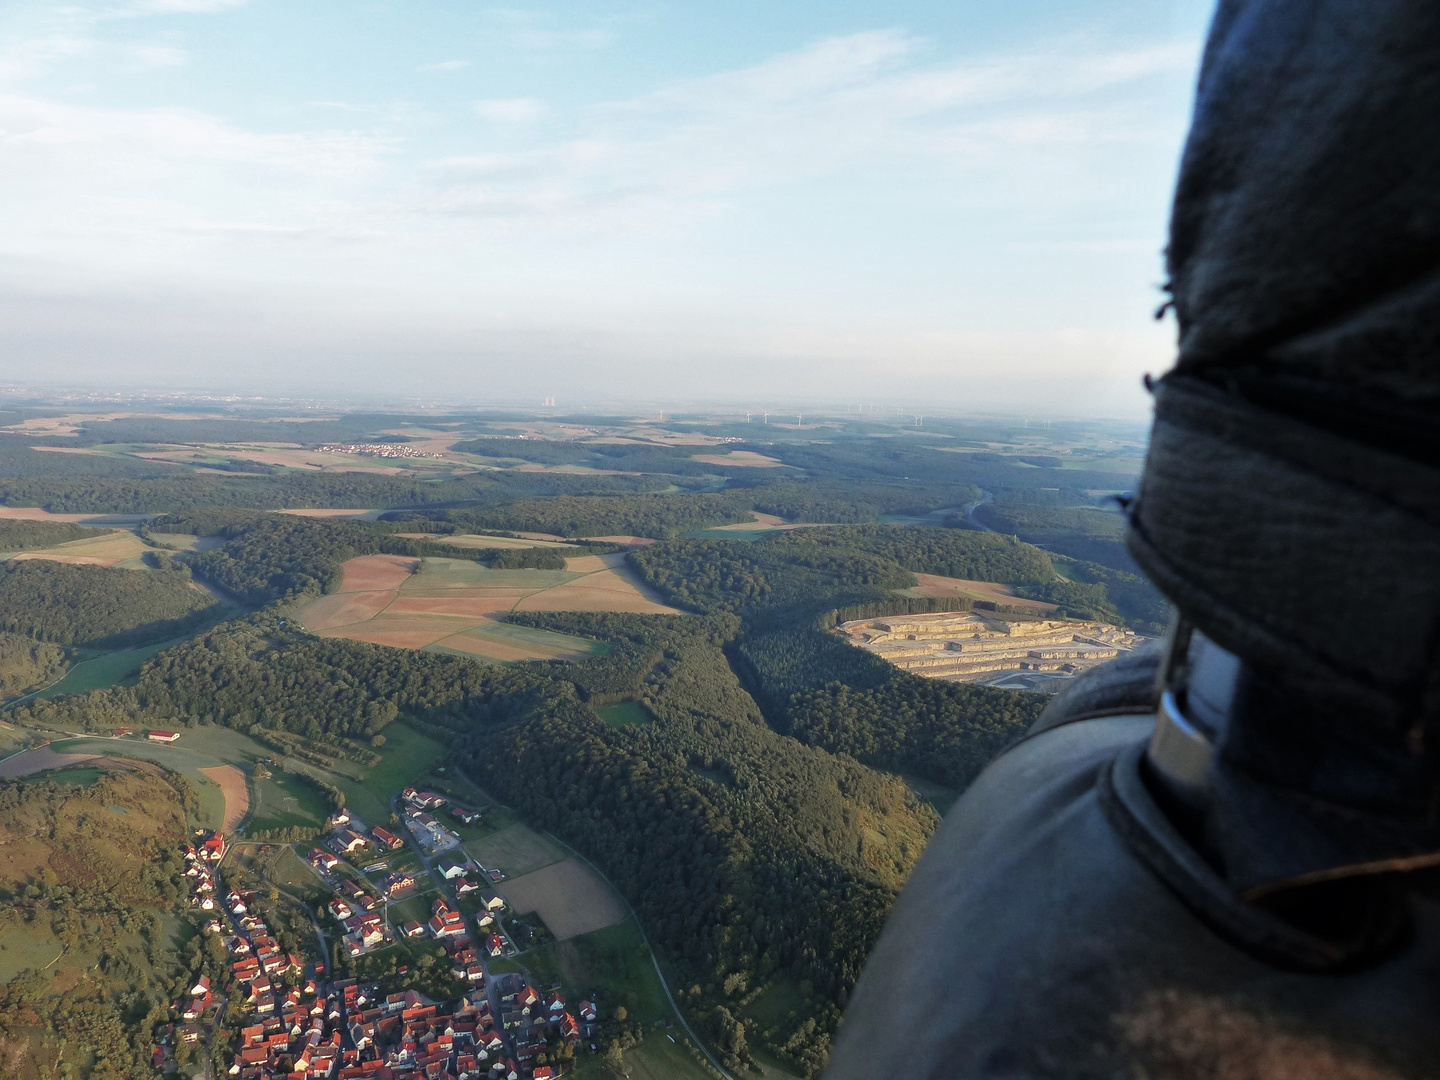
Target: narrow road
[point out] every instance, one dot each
(664, 985)
(492, 992)
(985, 497)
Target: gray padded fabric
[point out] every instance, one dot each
(1032, 942)
(1126, 685)
(1290, 504)
(1305, 236)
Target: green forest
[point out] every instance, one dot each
(26, 663)
(21, 535)
(98, 606)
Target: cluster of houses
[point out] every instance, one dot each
(200, 862)
(303, 1041)
(348, 836)
(534, 1019)
(406, 1036)
(428, 832)
(258, 962)
(354, 907)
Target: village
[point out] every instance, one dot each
(381, 450)
(299, 1024)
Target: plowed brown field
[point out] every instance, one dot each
(385, 601)
(377, 572)
(237, 795)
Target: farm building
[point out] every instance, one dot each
(386, 839)
(163, 736)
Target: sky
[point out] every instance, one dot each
(958, 205)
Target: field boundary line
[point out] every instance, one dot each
(639, 925)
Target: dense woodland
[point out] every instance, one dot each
(98, 606)
(26, 663)
(20, 535)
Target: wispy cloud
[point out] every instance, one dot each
(537, 31)
(445, 65)
(30, 58)
(141, 57)
(183, 7)
(862, 100)
(510, 110)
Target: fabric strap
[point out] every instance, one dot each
(1314, 558)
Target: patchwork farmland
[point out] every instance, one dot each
(456, 606)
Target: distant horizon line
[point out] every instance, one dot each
(20, 395)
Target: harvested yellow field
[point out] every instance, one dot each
(108, 550)
(747, 458)
(456, 604)
(330, 512)
(99, 521)
(379, 633)
(468, 607)
(472, 540)
(342, 609)
(377, 572)
(237, 795)
(608, 585)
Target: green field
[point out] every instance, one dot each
(285, 800)
(613, 963)
(80, 776)
(515, 850)
(440, 573)
(289, 872)
(24, 947)
(406, 757)
(110, 669)
(624, 713)
(547, 639)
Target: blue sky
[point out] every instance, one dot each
(958, 204)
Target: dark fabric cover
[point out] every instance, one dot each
(1033, 940)
(1126, 685)
(1290, 505)
(1305, 237)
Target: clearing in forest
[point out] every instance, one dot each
(111, 549)
(457, 606)
(937, 586)
(568, 896)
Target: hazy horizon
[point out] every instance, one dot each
(947, 206)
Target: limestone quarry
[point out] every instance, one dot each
(973, 646)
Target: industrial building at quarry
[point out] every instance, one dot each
(967, 646)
